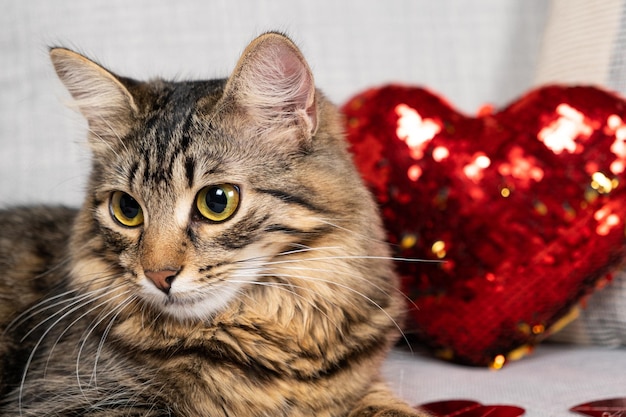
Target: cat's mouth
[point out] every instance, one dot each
(186, 294)
(185, 301)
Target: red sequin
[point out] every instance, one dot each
(469, 408)
(615, 407)
(525, 206)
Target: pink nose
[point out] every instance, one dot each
(163, 279)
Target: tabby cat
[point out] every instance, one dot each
(227, 259)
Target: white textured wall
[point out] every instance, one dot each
(472, 52)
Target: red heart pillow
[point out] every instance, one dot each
(524, 206)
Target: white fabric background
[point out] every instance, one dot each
(582, 43)
(472, 52)
(546, 384)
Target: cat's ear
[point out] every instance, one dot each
(100, 96)
(274, 84)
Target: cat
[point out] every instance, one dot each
(227, 259)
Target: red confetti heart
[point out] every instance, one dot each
(526, 206)
(615, 407)
(468, 408)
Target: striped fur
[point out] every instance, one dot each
(287, 308)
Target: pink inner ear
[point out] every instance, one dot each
(297, 75)
(298, 81)
(276, 77)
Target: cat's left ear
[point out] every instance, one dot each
(274, 83)
(100, 95)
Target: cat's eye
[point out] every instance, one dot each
(218, 203)
(125, 209)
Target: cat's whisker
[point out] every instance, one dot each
(64, 313)
(41, 306)
(68, 303)
(93, 380)
(352, 290)
(79, 318)
(101, 317)
(283, 264)
(34, 310)
(90, 296)
(291, 289)
(361, 236)
(304, 249)
(32, 355)
(350, 274)
(349, 257)
(299, 250)
(49, 303)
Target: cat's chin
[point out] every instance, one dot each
(190, 306)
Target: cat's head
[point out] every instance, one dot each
(199, 188)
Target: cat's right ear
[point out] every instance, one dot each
(274, 85)
(99, 95)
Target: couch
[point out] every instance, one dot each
(472, 53)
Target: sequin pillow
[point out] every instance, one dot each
(518, 213)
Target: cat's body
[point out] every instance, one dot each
(227, 261)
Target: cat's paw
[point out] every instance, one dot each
(380, 402)
(375, 411)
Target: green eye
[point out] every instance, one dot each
(218, 203)
(125, 209)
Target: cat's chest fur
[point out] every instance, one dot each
(236, 367)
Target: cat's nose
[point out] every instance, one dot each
(163, 279)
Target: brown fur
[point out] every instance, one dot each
(287, 308)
